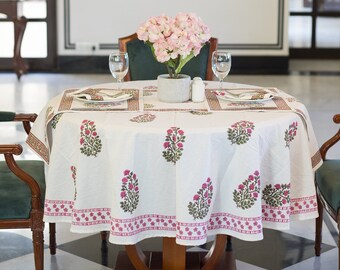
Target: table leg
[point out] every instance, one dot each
(19, 64)
(173, 254)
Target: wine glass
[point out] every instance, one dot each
(119, 66)
(221, 64)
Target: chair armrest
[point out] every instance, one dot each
(9, 150)
(333, 140)
(25, 118)
(15, 149)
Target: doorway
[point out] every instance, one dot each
(39, 42)
(314, 29)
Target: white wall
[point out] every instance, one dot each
(245, 27)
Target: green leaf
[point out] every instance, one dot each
(183, 61)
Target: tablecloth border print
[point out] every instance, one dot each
(67, 99)
(184, 230)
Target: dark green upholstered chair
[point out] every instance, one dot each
(143, 66)
(22, 191)
(327, 181)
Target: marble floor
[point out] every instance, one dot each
(315, 83)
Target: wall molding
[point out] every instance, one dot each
(277, 45)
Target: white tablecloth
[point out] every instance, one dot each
(185, 170)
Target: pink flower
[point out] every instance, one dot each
(94, 134)
(123, 194)
(131, 186)
(169, 131)
(180, 132)
(166, 145)
(126, 172)
(241, 187)
(124, 180)
(180, 145)
(179, 38)
(87, 132)
(81, 140)
(204, 186)
(196, 197)
(250, 177)
(256, 173)
(251, 186)
(277, 186)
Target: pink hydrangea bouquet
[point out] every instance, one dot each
(174, 41)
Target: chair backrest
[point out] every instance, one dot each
(333, 140)
(143, 66)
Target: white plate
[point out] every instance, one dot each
(118, 99)
(229, 97)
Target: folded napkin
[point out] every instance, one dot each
(240, 94)
(101, 95)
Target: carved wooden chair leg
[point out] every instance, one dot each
(210, 261)
(137, 257)
(318, 229)
(37, 228)
(53, 243)
(338, 221)
(104, 235)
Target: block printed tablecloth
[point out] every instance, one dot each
(187, 171)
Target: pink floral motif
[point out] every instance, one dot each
(129, 192)
(55, 120)
(74, 177)
(276, 195)
(173, 144)
(200, 205)
(290, 133)
(143, 118)
(240, 132)
(248, 192)
(90, 142)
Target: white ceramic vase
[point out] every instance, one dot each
(173, 90)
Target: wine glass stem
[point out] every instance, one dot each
(221, 81)
(119, 84)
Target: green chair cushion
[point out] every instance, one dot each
(6, 116)
(143, 65)
(15, 195)
(328, 181)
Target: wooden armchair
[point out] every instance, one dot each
(22, 191)
(143, 66)
(327, 181)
